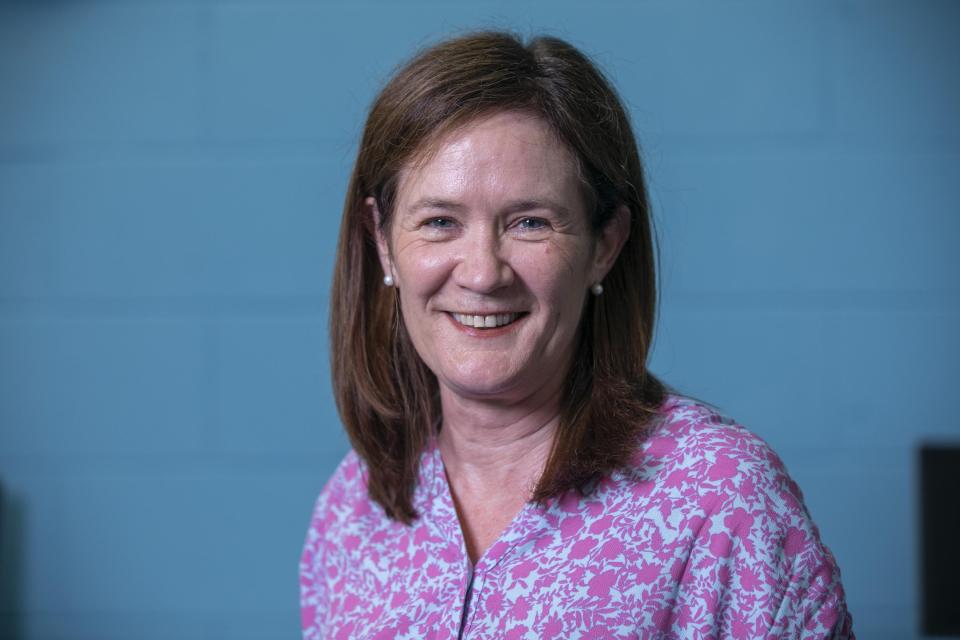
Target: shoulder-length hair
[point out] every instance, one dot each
(387, 398)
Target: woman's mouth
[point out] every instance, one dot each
(485, 321)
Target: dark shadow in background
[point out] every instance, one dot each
(11, 566)
(940, 539)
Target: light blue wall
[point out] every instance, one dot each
(171, 176)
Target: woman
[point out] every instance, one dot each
(516, 471)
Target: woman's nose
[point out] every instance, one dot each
(482, 267)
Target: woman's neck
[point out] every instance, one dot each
(493, 455)
(492, 446)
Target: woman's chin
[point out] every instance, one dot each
(495, 378)
(482, 387)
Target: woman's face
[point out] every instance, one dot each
(493, 256)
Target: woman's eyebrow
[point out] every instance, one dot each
(514, 206)
(436, 203)
(530, 204)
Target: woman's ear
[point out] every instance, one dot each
(383, 246)
(610, 241)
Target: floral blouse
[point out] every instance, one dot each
(704, 536)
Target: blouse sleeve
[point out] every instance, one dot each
(313, 594)
(757, 567)
(320, 557)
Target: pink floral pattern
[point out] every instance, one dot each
(706, 536)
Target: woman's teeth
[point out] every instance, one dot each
(485, 322)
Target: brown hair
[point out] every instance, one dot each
(387, 398)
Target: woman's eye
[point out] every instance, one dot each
(439, 223)
(532, 224)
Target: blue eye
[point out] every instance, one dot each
(532, 224)
(439, 223)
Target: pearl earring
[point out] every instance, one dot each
(596, 289)
(388, 280)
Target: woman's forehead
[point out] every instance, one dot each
(504, 151)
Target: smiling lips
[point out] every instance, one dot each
(489, 321)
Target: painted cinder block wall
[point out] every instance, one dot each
(171, 177)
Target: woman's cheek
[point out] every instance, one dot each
(555, 265)
(419, 263)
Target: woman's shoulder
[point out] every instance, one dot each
(734, 498)
(348, 478)
(343, 495)
(698, 427)
(694, 449)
